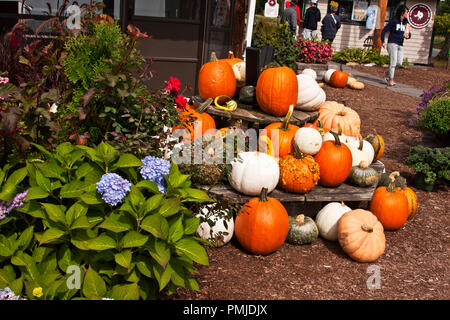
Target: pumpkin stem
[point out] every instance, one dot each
(339, 129)
(337, 142)
(300, 218)
(204, 105)
(391, 187)
(363, 164)
(213, 56)
(342, 203)
(360, 142)
(285, 125)
(367, 228)
(263, 195)
(230, 55)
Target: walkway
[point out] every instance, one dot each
(378, 82)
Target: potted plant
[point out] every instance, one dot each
(430, 164)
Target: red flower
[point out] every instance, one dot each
(173, 85)
(181, 101)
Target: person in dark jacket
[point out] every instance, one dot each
(330, 25)
(312, 16)
(290, 15)
(398, 29)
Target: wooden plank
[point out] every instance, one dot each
(344, 192)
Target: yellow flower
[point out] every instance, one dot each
(37, 292)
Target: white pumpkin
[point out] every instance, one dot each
(222, 228)
(342, 138)
(310, 72)
(358, 155)
(310, 94)
(239, 72)
(327, 219)
(251, 171)
(307, 140)
(327, 75)
(366, 147)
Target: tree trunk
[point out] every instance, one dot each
(444, 51)
(377, 33)
(238, 28)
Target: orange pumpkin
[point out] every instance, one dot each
(195, 123)
(231, 60)
(332, 114)
(335, 162)
(264, 225)
(361, 235)
(216, 78)
(377, 143)
(276, 90)
(390, 206)
(282, 134)
(299, 173)
(339, 79)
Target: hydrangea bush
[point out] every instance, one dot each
(126, 244)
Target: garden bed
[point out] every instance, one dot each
(415, 263)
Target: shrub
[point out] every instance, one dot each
(433, 92)
(432, 163)
(311, 51)
(361, 56)
(436, 116)
(129, 250)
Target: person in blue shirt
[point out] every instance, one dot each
(398, 31)
(330, 25)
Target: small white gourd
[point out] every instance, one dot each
(222, 229)
(307, 140)
(327, 75)
(310, 94)
(327, 219)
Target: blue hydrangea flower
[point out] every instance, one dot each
(8, 294)
(113, 188)
(154, 169)
(17, 202)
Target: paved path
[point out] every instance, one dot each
(379, 82)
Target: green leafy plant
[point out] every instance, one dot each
(361, 56)
(130, 250)
(436, 116)
(433, 163)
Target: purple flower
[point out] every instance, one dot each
(154, 169)
(113, 188)
(17, 202)
(8, 294)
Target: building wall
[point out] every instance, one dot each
(416, 49)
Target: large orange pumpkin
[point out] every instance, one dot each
(281, 134)
(377, 142)
(276, 90)
(195, 123)
(339, 79)
(298, 173)
(390, 206)
(264, 225)
(335, 162)
(216, 78)
(361, 235)
(332, 114)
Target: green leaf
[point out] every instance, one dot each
(102, 242)
(117, 223)
(191, 225)
(84, 170)
(106, 152)
(17, 286)
(153, 202)
(92, 198)
(93, 285)
(137, 199)
(77, 210)
(5, 250)
(43, 182)
(159, 250)
(72, 190)
(145, 266)
(7, 275)
(8, 192)
(43, 150)
(40, 253)
(126, 160)
(56, 213)
(162, 275)
(36, 193)
(176, 179)
(156, 225)
(149, 185)
(169, 207)
(196, 195)
(50, 235)
(193, 250)
(81, 223)
(51, 169)
(176, 230)
(123, 258)
(17, 176)
(133, 239)
(25, 238)
(125, 292)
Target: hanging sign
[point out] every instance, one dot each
(419, 15)
(271, 9)
(359, 10)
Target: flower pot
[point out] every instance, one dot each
(420, 183)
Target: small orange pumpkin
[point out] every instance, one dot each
(335, 162)
(216, 78)
(390, 206)
(334, 114)
(276, 90)
(264, 225)
(377, 143)
(361, 235)
(195, 119)
(282, 134)
(299, 173)
(339, 79)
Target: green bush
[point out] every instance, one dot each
(432, 163)
(361, 56)
(130, 250)
(436, 117)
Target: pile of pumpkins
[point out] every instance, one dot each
(340, 79)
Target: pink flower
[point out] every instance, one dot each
(173, 85)
(4, 80)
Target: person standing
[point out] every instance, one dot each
(330, 25)
(312, 16)
(398, 29)
(290, 15)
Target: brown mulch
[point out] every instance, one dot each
(416, 262)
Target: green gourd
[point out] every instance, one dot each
(247, 95)
(384, 180)
(363, 175)
(302, 230)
